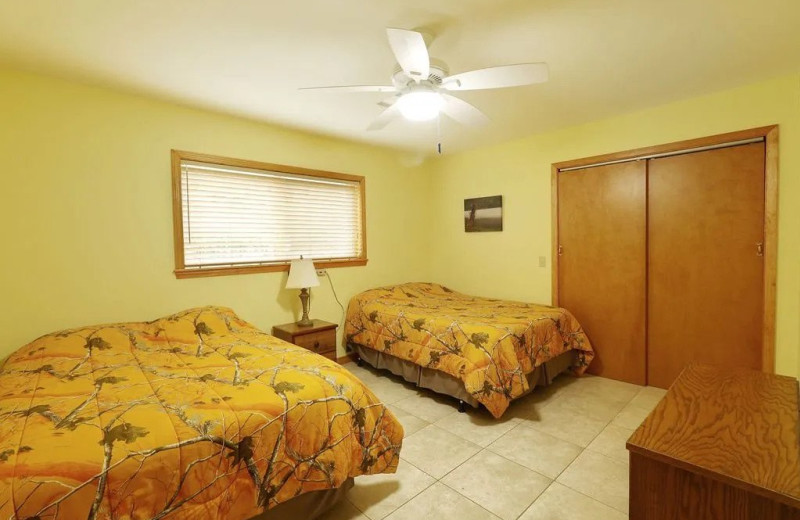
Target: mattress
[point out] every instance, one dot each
(196, 415)
(489, 345)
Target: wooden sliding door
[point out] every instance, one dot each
(602, 263)
(667, 254)
(705, 253)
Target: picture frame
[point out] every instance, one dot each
(483, 214)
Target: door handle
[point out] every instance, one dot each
(760, 248)
(560, 250)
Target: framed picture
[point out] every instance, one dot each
(483, 214)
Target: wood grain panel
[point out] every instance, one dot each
(602, 263)
(660, 491)
(319, 342)
(293, 329)
(735, 426)
(319, 338)
(770, 248)
(706, 274)
(677, 146)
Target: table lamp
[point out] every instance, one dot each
(302, 275)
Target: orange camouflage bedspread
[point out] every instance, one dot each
(488, 344)
(197, 415)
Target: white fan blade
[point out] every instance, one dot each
(385, 117)
(411, 52)
(389, 101)
(462, 111)
(498, 77)
(354, 88)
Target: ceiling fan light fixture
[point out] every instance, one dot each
(421, 105)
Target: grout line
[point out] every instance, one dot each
(582, 493)
(587, 496)
(347, 497)
(536, 499)
(521, 423)
(533, 427)
(468, 498)
(415, 495)
(415, 467)
(521, 465)
(464, 462)
(509, 460)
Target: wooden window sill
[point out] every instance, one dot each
(271, 268)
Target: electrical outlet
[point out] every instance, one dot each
(322, 272)
(542, 261)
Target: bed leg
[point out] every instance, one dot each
(462, 406)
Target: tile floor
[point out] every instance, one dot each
(558, 453)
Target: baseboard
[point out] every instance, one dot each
(349, 358)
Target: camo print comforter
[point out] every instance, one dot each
(488, 344)
(196, 415)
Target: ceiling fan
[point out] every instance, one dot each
(422, 86)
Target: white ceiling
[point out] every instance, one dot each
(248, 57)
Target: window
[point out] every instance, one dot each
(233, 216)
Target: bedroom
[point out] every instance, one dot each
(92, 105)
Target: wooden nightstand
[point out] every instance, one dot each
(319, 338)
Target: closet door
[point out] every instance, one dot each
(705, 280)
(601, 264)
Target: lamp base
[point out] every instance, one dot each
(304, 321)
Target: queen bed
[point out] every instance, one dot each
(196, 415)
(478, 350)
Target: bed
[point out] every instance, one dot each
(196, 415)
(479, 350)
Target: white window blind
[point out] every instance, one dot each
(236, 216)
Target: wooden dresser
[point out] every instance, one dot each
(319, 338)
(722, 444)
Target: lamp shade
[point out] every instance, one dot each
(302, 273)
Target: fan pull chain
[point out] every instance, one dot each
(439, 134)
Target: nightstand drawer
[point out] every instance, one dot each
(319, 338)
(322, 342)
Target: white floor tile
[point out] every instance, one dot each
(497, 484)
(566, 425)
(611, 442)
(377, 496)
(595, 405)
(391, 391)
(477, 426)
(536, 450)
(631, 417)
(542, 436)
(411, 423)
(648, 397)
(559, 502)
(609, 388)
(441, 502)
(436, 451)
(599, 477)
(428, 406)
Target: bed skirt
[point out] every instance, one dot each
(446, 384)
(307, 506)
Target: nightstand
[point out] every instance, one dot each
(319, 338)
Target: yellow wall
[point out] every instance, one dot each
(87, 217)
(506, 264)
(85, 203)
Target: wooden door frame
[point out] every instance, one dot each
(770, 135)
